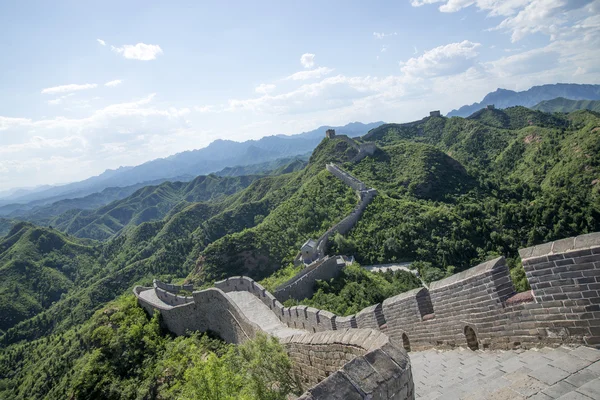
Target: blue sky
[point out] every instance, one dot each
(88, 86)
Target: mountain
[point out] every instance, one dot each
(216, 156)
(149, 203)
(37, 266)
(44, 214)
(5, 225)
(560, 104)
(503, 98)
(452, 192)
(39, 210)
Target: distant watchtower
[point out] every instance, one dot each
(491, 106)
(435, 113)
(330, 133)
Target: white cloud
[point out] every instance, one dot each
(310, 74)
(381, 35)
(45, 150)
(114, 83)
(8, 122)
(140, 51)
(205, 109)
(264, 88)
(450, 59)
(68, 88)
(528, 62)
(60, 99)
(523, 17)
(307, 60)
(102, 42)
(384, 48)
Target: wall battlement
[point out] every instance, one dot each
(352, 363)
(480, 303)
(477, 308)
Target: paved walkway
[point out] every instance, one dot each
(260, 314)
(151, 297)
(565, 373)
(403, 266)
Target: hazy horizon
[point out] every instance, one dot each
(90, 87)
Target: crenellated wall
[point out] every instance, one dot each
(211, 310)
(477, 308)
(349, 364)
(480, 304)
(169, 287)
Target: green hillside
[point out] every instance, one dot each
(453, 192)
(562, 105)
(149, 203)
(5, 225)
(37, 267)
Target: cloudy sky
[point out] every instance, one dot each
(88, 86)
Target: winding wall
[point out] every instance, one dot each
(562, 307)
(477, 308)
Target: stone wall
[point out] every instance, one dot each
(350, 364)
(169, 287)
(346, 224)
(481, 304)
(211, 310)
(565, 280)
(346, 177)
(364, 149)
(302, 287)
(478, 307)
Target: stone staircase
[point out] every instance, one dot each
(566, 373)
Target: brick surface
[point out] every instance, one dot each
(519, 374)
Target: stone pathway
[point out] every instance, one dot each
(565, 373)
(260, 314)
(151, 297)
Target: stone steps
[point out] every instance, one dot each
(541, 374)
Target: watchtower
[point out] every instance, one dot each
(435, 113)
(330, 133)
(491, 106)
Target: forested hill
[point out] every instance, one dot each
(563, 105)
(149, 203)
(452, 192)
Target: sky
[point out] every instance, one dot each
(90, 86)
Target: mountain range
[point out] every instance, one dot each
(189, 164)
(503, 98)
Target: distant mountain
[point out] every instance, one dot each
(276, 167)
(40, 209)
(503, 98)
(216, 156)
(560, 104)
(44, 214)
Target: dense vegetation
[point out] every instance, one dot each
(356, 288)
(452, 193)
(563, 105)
(535, 182)
(122, 354)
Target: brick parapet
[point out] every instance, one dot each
(350, 363)
(210, 310)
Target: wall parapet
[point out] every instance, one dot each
(211, 309)
(302, 286)
(352, 363)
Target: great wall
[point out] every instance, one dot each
(469, 335)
